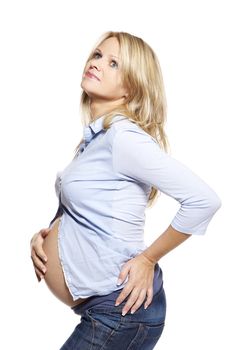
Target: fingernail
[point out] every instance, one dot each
(116, 304)
(45, 259)
(132, 311)
(44, 269)
(118, 282)
(124, 313)
(145, 307)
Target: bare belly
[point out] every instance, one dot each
(54, 277)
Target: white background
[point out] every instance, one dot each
(43, 46)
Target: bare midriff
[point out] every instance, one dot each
(54, 277)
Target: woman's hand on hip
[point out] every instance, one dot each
(139, 284)
(37, 253)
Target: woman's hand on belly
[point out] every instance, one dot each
(38, 255)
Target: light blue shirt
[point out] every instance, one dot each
(104, 192)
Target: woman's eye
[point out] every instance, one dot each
(115, 64)
(96, 53)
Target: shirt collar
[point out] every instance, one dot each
(92, 129)
(96, 126)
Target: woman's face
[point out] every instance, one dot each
(101, 78)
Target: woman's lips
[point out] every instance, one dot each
(92, 76)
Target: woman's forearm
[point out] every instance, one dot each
(166, 242)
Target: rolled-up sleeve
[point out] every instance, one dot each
(138, 157)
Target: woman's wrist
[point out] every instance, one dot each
(147, 256)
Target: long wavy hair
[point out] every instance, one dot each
(145, 104)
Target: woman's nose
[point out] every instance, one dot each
(95, 64)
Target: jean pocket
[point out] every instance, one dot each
(105, 315)
(104, 325)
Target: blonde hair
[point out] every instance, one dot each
(145, 104)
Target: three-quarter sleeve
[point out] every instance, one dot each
(138, 157)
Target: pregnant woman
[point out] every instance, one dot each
(93, 256)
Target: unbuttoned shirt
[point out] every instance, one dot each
(103, 194)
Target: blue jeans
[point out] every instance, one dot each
(103, 327)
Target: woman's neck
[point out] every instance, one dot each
(98, 108)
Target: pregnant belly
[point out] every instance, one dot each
(54, 276)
